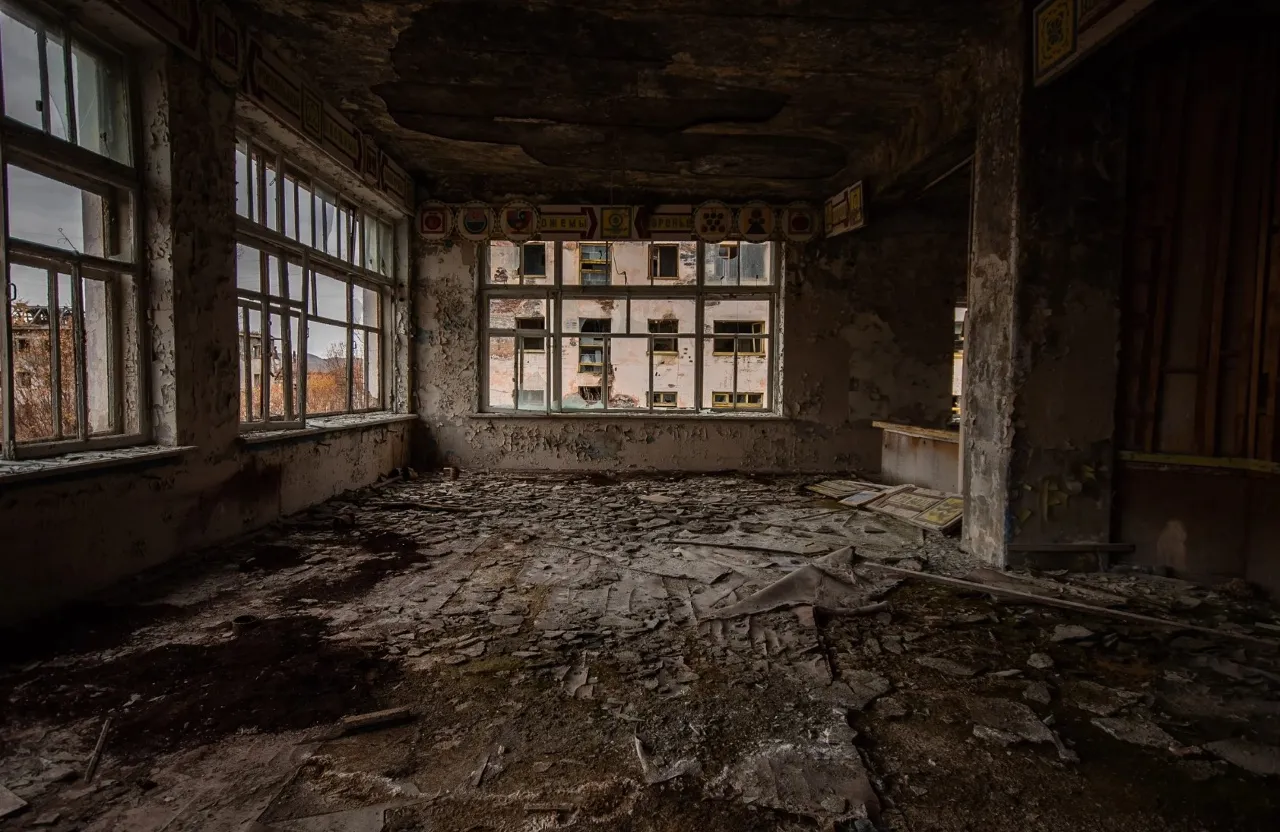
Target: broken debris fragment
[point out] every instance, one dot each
(1070, 632)
(10, 803)
(1251, 756)
(947, 666)
(1136, 731)
(375, 719)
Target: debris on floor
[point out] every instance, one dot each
(652, 653)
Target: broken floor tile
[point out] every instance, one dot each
(1251, 756)
(864, 687)
(1009, 717)
(826, 782)
(1040, 661)
(1098, 699)
(1070, 632)
(947, 666)
(1136, 731)
(1037, 692)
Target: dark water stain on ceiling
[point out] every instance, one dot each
(628, 99)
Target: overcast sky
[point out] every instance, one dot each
(46, 211)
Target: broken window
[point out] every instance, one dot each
(594, 265)
(739, 264)
(642, 345)
(70, 306)
(664, 261)
(529, 343)
(532, 398)
(313, 276)
(534, 262)
(741, 346)
(665, 346)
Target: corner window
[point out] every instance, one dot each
(605, 334)
(314, 272)
(72, 380)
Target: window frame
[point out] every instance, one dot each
(524, 261)
(557, 291)
(344, 265)
(655, 261)
(38, 150)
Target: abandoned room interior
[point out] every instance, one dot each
(647, 415)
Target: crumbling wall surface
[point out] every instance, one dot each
(64, 538)
(867, 334)
(1204, 524)
(988, 368)
(1042, 349)
(1068, 309)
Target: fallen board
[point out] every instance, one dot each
(927, 509)
(842, 489)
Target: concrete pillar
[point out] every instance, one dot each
(189, 242)
(1041, 357)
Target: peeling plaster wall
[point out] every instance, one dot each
(73, 535)
(867, 334)
(1041, 356)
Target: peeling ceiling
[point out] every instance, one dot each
(631, 100)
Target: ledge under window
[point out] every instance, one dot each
(83, 462)
(320, 425)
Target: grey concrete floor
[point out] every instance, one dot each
(561, 647)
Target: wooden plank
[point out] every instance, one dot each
(1265, 73)
(1267, 230)
(1258, 466)
(1268, 367)
(1219, 259)
(1071, 547)
(1078, 606)
(1171, 196)
(921, 433)
(376, 719)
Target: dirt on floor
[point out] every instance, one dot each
(563, 647)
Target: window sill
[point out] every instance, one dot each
(663, 414)
(85, 462)
(321, 425)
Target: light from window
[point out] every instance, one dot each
(37, 92)
(312, 339)
(625, 346)
(71, 277)
(738, 264)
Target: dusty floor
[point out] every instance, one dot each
(560, 649)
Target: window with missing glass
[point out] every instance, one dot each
(631, 327)
(70, 352)
(314, 274)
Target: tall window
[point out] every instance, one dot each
(631, 327)
(69, 349)
(313, 274)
